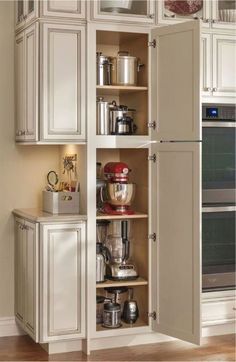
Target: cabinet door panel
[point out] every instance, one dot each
(63, 276)
(63, 88)
(31, 87)
(224, 65)
(19, 271)
(20, 86)
(31, 281)
(64, 8)
(176, 215)
(206, 65)
(175, 82)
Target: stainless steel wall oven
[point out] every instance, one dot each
(218, 196)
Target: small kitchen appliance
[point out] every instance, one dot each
(112, 315)
(117, 295)
(121, 120)
(102, 252)
(120, 266)
(119, 193)
(130, 311)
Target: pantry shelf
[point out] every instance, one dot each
(117, 89)
(136, 215)
(139, 323)
(114, 283)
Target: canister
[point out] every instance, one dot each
(103, 117)
(125, 69)
(112, 315)
(103, 69)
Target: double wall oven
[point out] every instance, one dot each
(218, 196)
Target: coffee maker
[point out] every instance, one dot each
(119, 193)
(120, 266)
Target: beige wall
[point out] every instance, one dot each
(22, 168)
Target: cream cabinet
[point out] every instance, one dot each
(74, 9)
(50, 92)
(218, 66)
(50, 279)
(25, 12)
(26, 276)
(141, 11)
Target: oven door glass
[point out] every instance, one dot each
(218, 164)
(218, 249)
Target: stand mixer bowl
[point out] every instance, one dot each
(120, 194)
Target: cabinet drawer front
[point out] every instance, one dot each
(218, 311)
(63, 84)
(62, 286)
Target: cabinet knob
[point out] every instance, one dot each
(150, 16)
(205, 20)
(208, 89)
(169, 16)
(214, 89)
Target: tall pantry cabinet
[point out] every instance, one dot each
(56, 95)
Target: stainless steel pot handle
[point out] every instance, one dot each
(123, 52)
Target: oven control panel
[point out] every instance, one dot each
(223, 113)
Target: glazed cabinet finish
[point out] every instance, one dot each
(224, 65)
(26, 276)
(25, 12)
(218, 66)
(63, 82)
(62, 282)
(138, 11)
(26, 78)
(64, 8)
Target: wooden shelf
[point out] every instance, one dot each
(136, 215)
(117, 89)
(124, 283)
(139, 323)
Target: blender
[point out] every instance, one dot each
(120, 266)
(102, 252)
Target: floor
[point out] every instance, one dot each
(220, 348)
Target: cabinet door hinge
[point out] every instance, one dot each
(152, 43)
(152, 158)
(153, 237)
(152, 125)
(152, 315)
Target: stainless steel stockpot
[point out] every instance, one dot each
(103, 69)
(125, 69)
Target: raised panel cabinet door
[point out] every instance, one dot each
(206, 64)
(31, 82)
(20, 87)
(176, 220)
(19, 271)
(64, 8)
(224, 65)
(31, 280)
(62, 281)
(63, 82)
(175, 82)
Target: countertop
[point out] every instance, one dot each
(37, 215)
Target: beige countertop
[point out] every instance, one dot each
(37, 215)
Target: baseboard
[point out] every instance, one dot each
(8, 327)
(218, 329)
(62, 346)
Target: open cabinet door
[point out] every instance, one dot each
(176, 254)
(175, 82)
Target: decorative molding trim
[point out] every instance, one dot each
(8, 327)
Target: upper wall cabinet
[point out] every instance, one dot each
(50, 108)
(218, 67)
(129, 11)
(25, 12)
(63, 8)
(28, 10)
(216, 14)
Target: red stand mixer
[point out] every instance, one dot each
(119, 192)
